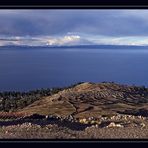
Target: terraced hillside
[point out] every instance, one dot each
(90, 99)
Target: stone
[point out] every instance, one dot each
(142, 125)
(83, 121)
(92, 122)
(112, 124)
(96, 126)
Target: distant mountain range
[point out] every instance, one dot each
(81, 46)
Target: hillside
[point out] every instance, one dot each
(85, 110)
(90, 99)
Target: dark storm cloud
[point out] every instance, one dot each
(59, 22)
(36, 23)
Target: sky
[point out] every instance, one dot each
(73, 27)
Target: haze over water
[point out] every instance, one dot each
(29, 69)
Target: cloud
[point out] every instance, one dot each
(128, 40)
(66, 40)
(71, 39)
(58, 22)
(44, 40)
(70, 27)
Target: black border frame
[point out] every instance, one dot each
(73, 4)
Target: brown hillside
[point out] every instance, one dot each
(90, 99)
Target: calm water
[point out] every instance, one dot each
(28, 69)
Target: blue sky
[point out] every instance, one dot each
(73, 27)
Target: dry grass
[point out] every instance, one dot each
(86, 99)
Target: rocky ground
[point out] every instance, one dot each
(116, 127)
(28, 131)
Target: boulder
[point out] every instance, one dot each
(112, 124)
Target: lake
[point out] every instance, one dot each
(34, 68)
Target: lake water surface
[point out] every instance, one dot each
(28, 69)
